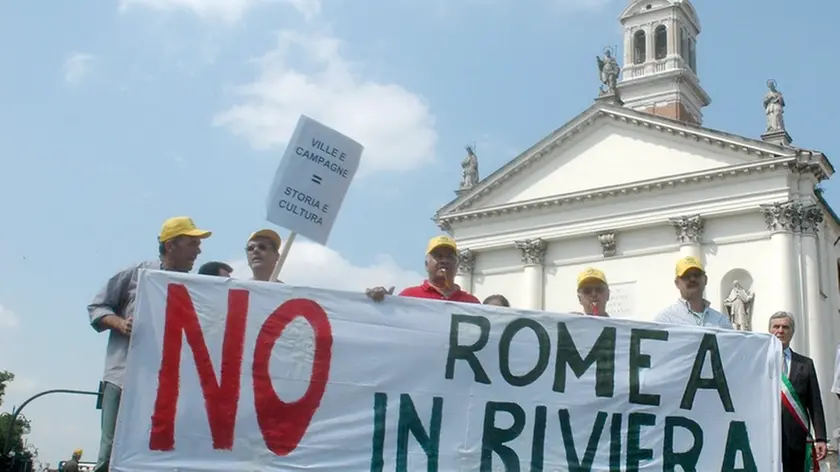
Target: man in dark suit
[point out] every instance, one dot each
(800, 392)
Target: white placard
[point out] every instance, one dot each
(312, 180)
(233, 375)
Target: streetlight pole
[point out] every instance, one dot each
(7, 441)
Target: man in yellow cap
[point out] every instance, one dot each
(593, 292)
(112, 310)
(263, 251)
(441, 267)
(73, 464)
(692, 309)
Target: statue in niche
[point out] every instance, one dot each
(774, 108)
(470, 170)
(739, 306)
(609, 70)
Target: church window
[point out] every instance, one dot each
(660, 41)
(639, 47)
(838, 275)
(692, 57)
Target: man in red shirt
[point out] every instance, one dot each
(441, 266)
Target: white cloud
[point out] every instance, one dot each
(8, 320)
(395, 125)
(225, 10)
(77, 66)
(313, 265)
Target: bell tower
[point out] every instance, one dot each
(660, 60)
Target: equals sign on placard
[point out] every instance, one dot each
(316, 178)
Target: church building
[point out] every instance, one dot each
(637, 181)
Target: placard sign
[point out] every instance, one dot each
(227, 375)
(312, 180)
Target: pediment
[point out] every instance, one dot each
(606, 147)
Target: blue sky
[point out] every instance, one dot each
(115, 115)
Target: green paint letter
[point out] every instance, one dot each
(738, 440)
(493, 439)
(635, 453)
(543, 344)
(575, 464)
(409, 423)
(686, 460)
(640, 361)
(708, 347)
(380, 409)
(467, 352)
(602, 355)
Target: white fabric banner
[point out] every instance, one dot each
(232, 375)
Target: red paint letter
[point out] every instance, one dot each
(284, 424)
(220, 397)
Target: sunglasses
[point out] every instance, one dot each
(596, 289)
(254, 247)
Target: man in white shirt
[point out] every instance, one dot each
(692, 309)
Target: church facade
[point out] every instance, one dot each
(636, 181)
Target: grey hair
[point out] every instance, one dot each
(782, 314)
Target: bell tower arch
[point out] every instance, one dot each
(660, 60)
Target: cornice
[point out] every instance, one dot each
(719, 139)
(796, 164)
(681, 75)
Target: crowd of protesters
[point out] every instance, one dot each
(179, 245)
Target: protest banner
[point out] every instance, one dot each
(312, 180)
(228, 375)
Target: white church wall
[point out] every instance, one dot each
(630, 210)
(608, 153)
(830, 320)
(500, 272)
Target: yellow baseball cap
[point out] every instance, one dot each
(181, 226)
(441, 241)
(269, 234)
(77, 452)
(591, 273)
(686, 263)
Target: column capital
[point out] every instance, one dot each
(444, 225)
(608, 245)
(533, 251)
(689, 228)
(782, 216)
(466, 261)
(810, 218)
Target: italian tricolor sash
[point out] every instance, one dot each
(791, 402)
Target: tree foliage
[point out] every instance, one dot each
(23, 454)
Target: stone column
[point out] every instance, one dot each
(821, 347)
(817, 324)
(689, 234)
(466, 265)
(533, 256)
(782, 220)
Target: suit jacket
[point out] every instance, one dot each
(803, 378)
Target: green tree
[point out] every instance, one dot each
(23, 454)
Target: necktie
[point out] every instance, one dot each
(784, 364)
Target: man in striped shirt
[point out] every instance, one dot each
(691, 308)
